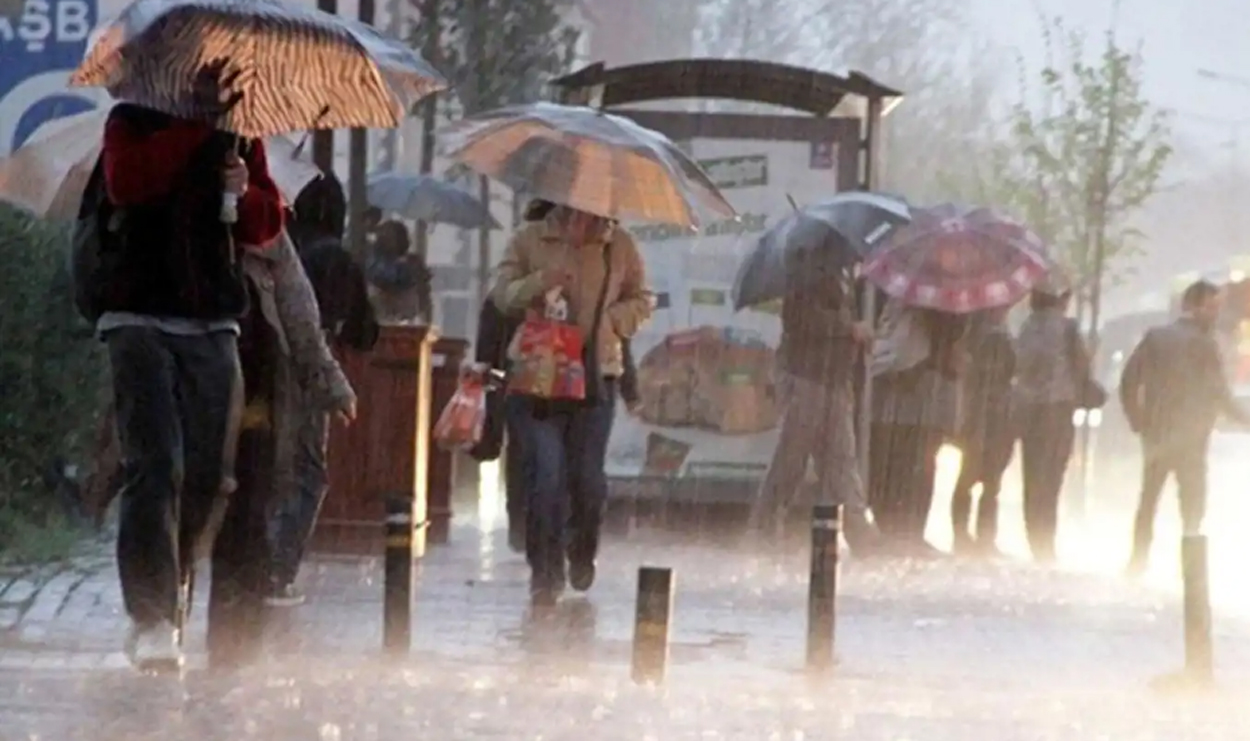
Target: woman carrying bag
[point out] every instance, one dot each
(592, 270)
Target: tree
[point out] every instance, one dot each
(53, 381)
(497, 52)
(1083, 157)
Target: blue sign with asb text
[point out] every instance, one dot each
(38, 51)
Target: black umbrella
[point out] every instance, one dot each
(843, 230)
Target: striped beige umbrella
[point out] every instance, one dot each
(48, 173)
(296, 68)
(590, 160)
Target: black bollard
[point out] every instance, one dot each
(652, 619)
(822, 587)
(1199, 654)
(397, 579)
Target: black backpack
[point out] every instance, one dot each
(97, 226)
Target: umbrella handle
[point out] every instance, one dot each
(230, 201)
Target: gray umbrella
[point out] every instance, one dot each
(428, 199)
(844, 228)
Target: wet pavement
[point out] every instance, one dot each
(949, 650)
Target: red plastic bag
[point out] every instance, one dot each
(460, 425)
(546, 357)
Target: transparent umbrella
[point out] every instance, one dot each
(48, 173)
(590, 160)
(428, 199)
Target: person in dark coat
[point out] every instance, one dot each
(1051, 360)
(1173, 388)
(986, 436)
(347, 319)
(917, 367)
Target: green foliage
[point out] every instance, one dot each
(51, 372)
(1081, 156)
(496, 52)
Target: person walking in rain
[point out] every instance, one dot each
(987, 436)
(597, 267)
(344, 315)
(821, 345)
(170, 294)
(1173, 388)
(917, 367)
(1051, 361)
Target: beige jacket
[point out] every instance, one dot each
(540, 246)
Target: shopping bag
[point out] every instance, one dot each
(546, 356)
(460, 425)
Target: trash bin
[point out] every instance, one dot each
(447, 355)
(384, 453)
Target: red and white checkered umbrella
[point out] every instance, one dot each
(959, 260)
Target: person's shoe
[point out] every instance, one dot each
(964, 545)
(516, 538)
(1136, 569)
(154, 648)
(581, 575)
(285, 596)
(987, 549)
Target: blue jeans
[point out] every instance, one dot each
(517, 473)
(293, 518)
(565, 451)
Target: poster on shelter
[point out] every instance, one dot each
(707, 373)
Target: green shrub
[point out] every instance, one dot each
(52, 373)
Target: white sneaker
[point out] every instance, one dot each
(154, 648)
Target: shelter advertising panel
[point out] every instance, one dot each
(706, 372)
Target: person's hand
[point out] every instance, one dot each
(861, 332)
(346, 413)
(235, 174)
(210, 90)
(556, 278)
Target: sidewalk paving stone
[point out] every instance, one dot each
(927, 651)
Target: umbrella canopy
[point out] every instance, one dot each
(959, 260)
(47, 175)
(428, 199)
(844, 228)
(296, 68)
(590, 160)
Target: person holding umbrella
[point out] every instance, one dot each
(821, 343)
(807, 260)
(598, 168)
(185, 184)
(948, 263)
(169, 302)
(987, 436)
(598, 268)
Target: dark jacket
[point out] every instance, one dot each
(342, 295)
(816, 319)
(163, 248)
(987, 393)
(1173, 387)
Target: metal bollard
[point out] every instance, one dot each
(652, 619)
(1199, 653)
(397, 579)
(822, 587)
